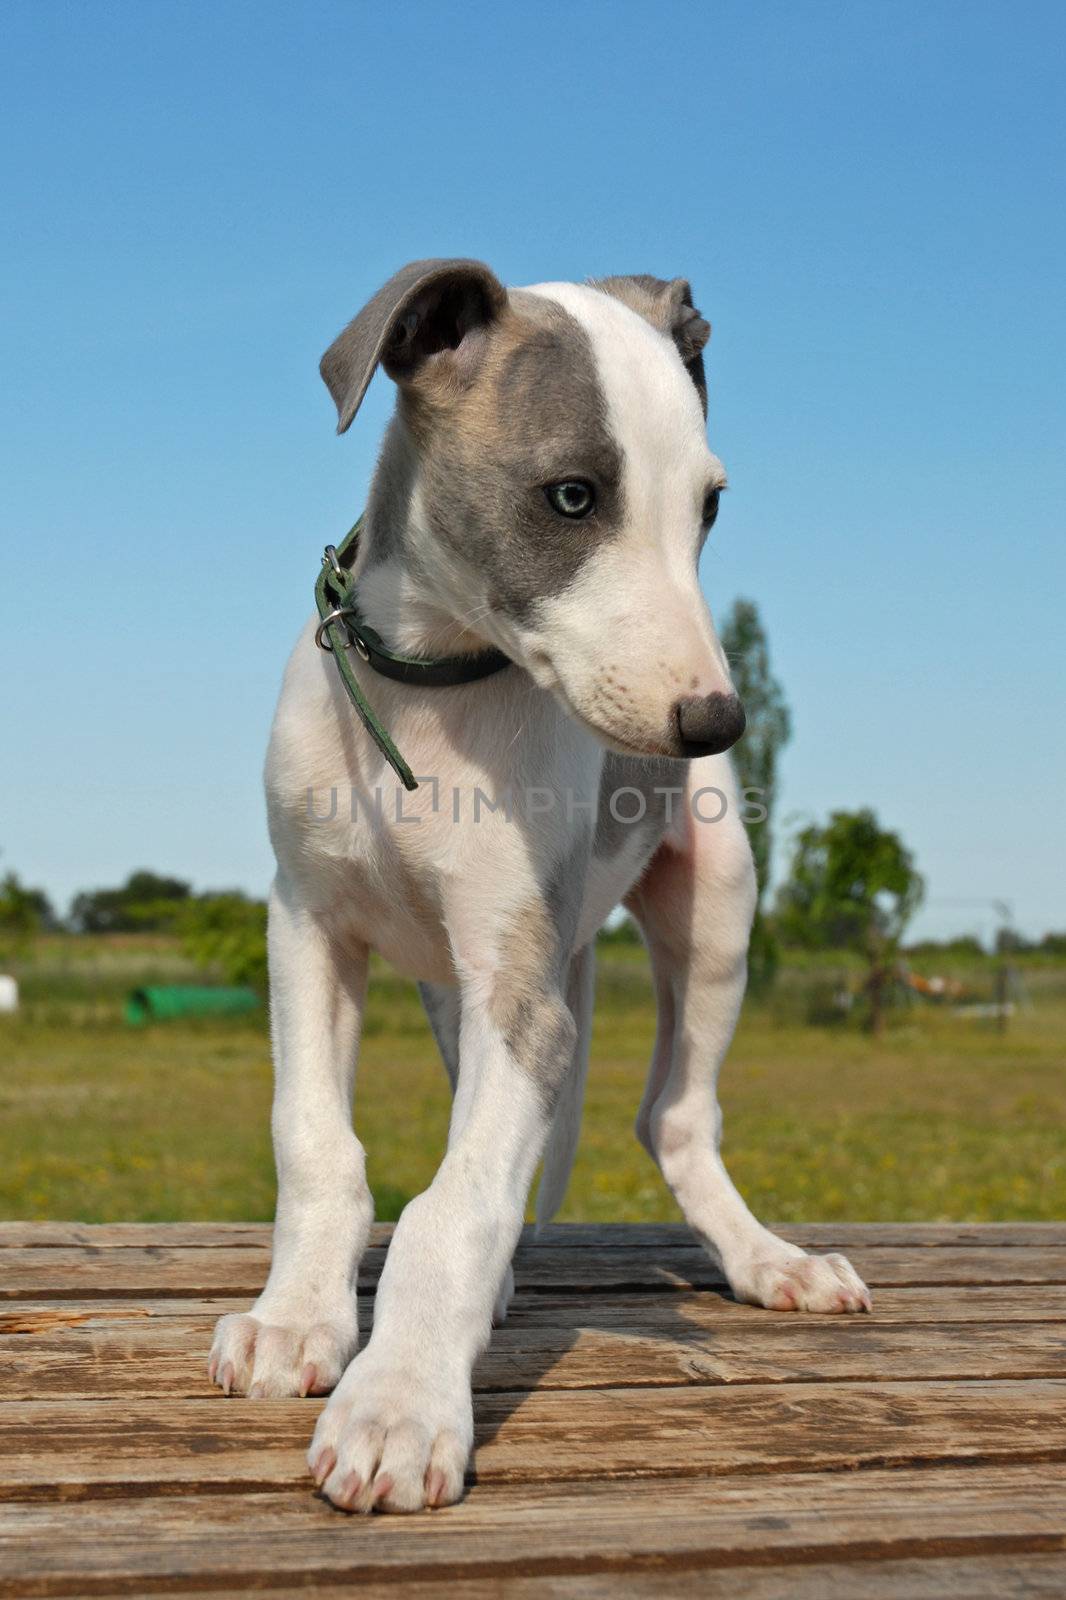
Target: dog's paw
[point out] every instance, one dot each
(390, 1440)
(271, 1359)
(801, 1283)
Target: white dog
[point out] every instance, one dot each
(544, 491)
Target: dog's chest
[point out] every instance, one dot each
(516, 804)
(404, 886)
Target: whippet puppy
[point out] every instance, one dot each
(544, 490)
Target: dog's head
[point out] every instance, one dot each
(563, 486)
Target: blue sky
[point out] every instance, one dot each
(868, 200)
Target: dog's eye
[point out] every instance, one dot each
(571, 498)
(710, 508)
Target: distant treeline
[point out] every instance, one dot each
(961, 946)
(220, 928)
(150, 902)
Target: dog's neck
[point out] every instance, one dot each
(407, 591)
(397, 604)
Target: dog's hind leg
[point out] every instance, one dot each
(694, 904)
(443, 1007)
(302, 1331)
(566, 1119)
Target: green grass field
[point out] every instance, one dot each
(944, 1118)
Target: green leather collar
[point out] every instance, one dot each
(342, 625)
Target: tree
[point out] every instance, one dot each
(227, 930)
(145, 902)
(22, 909)
(852, 885)
(768, 731)
(23, 913)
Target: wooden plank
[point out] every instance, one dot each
(711, 1441)
(711, 1309)
(238, 1542)
(765, 1429)
(109, 1355)
(1034, 1577)
(142, 1235)
(565, 1235)
(63, 1271)
(542, 1268)
(73, 1446)
(704, 1309)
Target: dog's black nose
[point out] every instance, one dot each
(709, 723)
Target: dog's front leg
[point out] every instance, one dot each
(694, 904)
(397, 1433)
(442, 1005)
(302, 1331)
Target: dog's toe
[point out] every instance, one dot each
(398, 1468)
(233, 1352)
(800, 1282)
(384, 1444)
(273, 1360)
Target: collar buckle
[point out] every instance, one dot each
(338, 614)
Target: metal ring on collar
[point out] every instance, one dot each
(337, 615)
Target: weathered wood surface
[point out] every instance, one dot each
(145, 1355)
(638, 1432)
(63, 1271)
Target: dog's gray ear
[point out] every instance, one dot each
(668, 307)
(426, 307)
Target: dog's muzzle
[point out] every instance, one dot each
(708, 724)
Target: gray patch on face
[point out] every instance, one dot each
(536, 414)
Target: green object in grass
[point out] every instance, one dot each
(163, 1002)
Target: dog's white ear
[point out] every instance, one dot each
(426, 307)
(668, 307)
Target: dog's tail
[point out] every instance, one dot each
(566, 1120)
